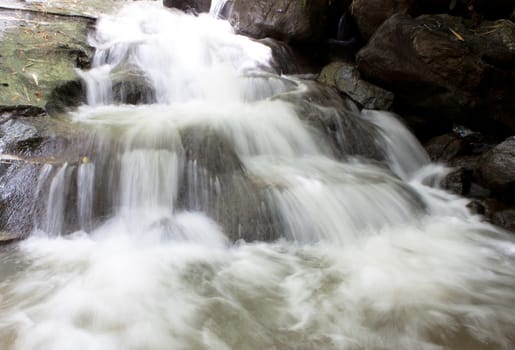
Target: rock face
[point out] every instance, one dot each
(288, 20)
(346, 78)
(498, 168)
(189, 5)
(438, 66)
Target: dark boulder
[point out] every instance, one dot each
(346, 78)
(189, 5)
(68, 95)
(505, 219)
(438, 67)
(443, 148)
(462, 152)
(370, 14)
(288, 20)
(498, 168)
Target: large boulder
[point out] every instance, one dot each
(288, 20)
(370, 14)
(498, 168)
(345, 78)
(438, 67)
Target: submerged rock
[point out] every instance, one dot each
(338, 121)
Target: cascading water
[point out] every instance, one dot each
(235, 208)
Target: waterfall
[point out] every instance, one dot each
(222, 205)
(217, 7)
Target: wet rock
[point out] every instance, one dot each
(288, 20)
(195, 6)
(370, 14)
(84, 9)
(127, 88)
(438, 66)
(462, 151)
(338, 121)
(495, 212)
(8, 112)
(505, 219)
(31, 141)
(210, 151)
(8, 237)
(68, 95)
(285, 59)
(39, 52)
(346, 78)
(215, 182)
(458, 181)
(498, 168)
(17, 189)
(444, 147)
(133, 89)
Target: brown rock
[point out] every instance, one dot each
(437, 65)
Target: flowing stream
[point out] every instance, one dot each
(222, 205)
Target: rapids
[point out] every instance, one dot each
(237, 208)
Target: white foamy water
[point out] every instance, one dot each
(168, 205)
